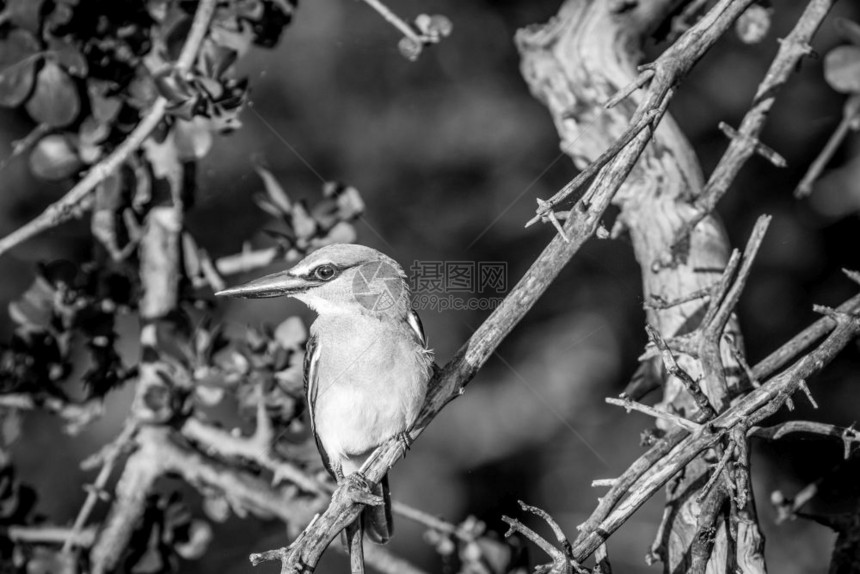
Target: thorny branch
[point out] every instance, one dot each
(744, 141)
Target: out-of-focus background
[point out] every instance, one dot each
(449, 154)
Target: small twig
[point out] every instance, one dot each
(396, 21)
(249, 260)
(108, 458)
(545, 206)
(561, 556)
(656, 413)
(707, 525)
(849, 122)
(848, 435)
(786, 508)
(556, 529)
(600, 482)
(728, 454)
(22, 145)
(61, 210)
(659, 303)
(622, 94)
(675, 370)
(682, 22)
(764, 151)
(727, 304)
(51, 535)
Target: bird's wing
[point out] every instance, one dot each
(417, 328)
(312, 357)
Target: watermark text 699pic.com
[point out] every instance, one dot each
(458, 285)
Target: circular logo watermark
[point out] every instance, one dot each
(377, 286)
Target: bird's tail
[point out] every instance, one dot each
(377, 519)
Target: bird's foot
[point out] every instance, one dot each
(357, 488)
(299, 566)
(405, 440)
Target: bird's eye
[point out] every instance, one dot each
(324, 272)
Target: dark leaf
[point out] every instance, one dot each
(104, 108)
(848, 30)
(173, 87)
(50, 561)
(54, 158)
(141, 91)
(754, 24)
(199, 535)
(90, 136)
(18, 56)
(217, 59)
(193, 138)
(842, 69)
(291, 334)
(239, 40)
(216, 508)
(68, 56)
(55, 100)
(279, 202)
(10, 425)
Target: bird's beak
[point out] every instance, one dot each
(274, 285)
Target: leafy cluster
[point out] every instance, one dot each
(86, 71)
(65, 307)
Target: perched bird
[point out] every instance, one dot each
(366, 363)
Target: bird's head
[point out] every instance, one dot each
(338, 278)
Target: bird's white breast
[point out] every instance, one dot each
(372, 379)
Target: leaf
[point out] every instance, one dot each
(409, 48)
(54, 158)
(199, 537)
(209, 395)
(291, 334)
(193, 139)
(279, 198)
(104, 108)
(848, 30)
(842, 69)
(23, 14)
(342, 232)
(754, 24)
(434, 27)
(68, 56)
(49, 561)
(217, 508)
(18, 56)
(304, 225)
(55, 101)
(10, 425)
(237, 40)
(90, 135)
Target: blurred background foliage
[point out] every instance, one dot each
(449, 153)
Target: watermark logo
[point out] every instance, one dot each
(377, 286)
(458, 285)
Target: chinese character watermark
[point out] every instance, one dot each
(458, 285)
